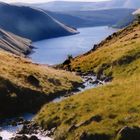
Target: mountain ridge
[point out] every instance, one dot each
(14, 44)
(72, 6)
(91, 18)
(31, 23)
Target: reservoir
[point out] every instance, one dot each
(55, 51)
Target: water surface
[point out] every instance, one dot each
(56, 50)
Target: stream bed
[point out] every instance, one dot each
(54, 51)
(10, 128)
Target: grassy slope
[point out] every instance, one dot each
(24, 85)
(117, 103)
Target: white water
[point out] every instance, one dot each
(86, 83)
(9, 131)
(7, 135)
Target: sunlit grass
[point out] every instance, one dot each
(117, 102)
(18, 94)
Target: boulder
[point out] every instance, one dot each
(20, 119)
(94, 47)
(14, 123)
(71, 128)
(96, 118)
(33, 138)
(0, 129)
(86, 136)
(24, 130)
(33, 80)
(23, 137)
(129, 133)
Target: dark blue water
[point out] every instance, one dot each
(56, 50)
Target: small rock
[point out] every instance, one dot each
(94, 82)
(24, 130)
(33, 138)
(94, 47)
(96, 118)
(109, 37)
(1, 138)
(112, 116)
(19, 119)
(23, 137)
(71, 128)
(33, 80)
(26, 122)
(14, 123)
(82, 86)
(108, 79)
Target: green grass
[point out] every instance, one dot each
(19, 93)
(117, 103)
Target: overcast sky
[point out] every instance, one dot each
(40, 1)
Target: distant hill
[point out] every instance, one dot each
(88, 14)
(68, 19)
(14, 44)
(31, 23)
(136, 12)
(124, 3)
(93, 17)
(127, 20)
(83, 6)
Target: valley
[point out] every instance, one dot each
(67, 74)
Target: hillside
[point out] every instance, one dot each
(86, 6)
(125, 21)
(14, 44)
(124, 4)
(25, 86)
(137, 12)
(31, 23)
(128, 19)
(108, 112)
(93, 17)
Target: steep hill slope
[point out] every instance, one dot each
(31, 23)
(109, 112)
(85, 6)
(128, 19)
(125, 21)
(124, 3)
(14, 44)
(137, 12)
(92, 17)
(25, 86)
